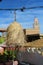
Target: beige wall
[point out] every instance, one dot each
(32, 31)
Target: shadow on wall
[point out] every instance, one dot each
(30, 38)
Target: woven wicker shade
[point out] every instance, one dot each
(15, 34)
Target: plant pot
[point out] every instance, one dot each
(1, 63)
(9, 63)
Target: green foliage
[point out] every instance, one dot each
(11, 54)
(3, 58)
(1, 40)
(8, 55)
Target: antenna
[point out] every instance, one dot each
(15, 15)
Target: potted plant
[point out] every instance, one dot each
(7, 56)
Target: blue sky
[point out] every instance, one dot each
(26, 18)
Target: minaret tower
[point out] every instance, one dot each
(36, 25)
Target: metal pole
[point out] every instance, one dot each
(15, 15)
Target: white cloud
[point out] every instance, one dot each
(4, 25)
(4, 20)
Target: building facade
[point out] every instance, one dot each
(34, 33)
